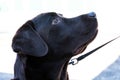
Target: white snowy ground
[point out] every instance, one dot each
(111, 73)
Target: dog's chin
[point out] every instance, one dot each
(82, 47)
(17, 51)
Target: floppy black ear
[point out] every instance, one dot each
(28, 41)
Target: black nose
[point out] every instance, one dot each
(92, 14)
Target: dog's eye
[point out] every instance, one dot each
(56, 21)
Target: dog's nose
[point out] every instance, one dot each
(92, 14)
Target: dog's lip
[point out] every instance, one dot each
(82, 47)
(17, 50)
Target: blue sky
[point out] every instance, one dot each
(14, 13)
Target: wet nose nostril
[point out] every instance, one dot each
(92, 14)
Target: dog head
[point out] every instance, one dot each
(51, 31)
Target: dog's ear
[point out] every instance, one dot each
(28, 41)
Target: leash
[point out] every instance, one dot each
(75, 61)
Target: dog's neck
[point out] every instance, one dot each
(49, 67)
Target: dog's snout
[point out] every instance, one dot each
(92, 14)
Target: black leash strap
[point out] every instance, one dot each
(74, 61)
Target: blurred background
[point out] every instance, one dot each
(14, 13)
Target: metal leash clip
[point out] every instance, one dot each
(73, 61)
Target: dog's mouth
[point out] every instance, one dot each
(82, 47)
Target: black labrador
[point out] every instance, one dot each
(45, 44)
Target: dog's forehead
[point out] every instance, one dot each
(45, 16)
(52, 14)
(48, 14)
